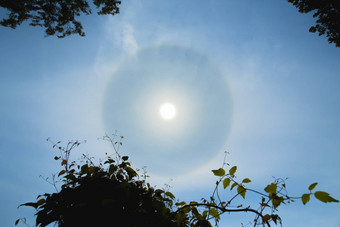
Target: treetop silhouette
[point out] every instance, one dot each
(112, 193)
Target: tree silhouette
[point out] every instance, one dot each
(327, 13)
(58, 17)
(113, 193)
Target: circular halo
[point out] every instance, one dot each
(156, 76)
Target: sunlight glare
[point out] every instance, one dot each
(167, 111)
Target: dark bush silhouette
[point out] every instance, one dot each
(114, 194)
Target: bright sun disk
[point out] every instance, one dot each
(167, 111)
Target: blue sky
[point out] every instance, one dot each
(245, 76)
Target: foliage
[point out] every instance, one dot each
(327, 13)
(113, 192)
(57, 17)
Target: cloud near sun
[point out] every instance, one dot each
(172, 105)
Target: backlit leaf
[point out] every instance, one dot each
(305, 198)
(271, 188)
(246, 180)
(170, 195)
(233, 185)
(312, 186)
(219, 172)
(226, 182)
(324, 197)
(232, 170)
(242, 191)
(213, 212)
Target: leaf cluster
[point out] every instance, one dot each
(327, 13)
(104, 194)
(113, 192)
(58, 17)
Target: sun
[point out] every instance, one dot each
(167, 111)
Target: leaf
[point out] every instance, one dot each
(219, 172)
(17, 221)
(233, 185)
(213, 212)
(92, 169)
(41, 202)
(324, 197)
(61, 173)
(64, 162)
(266, 218)
(70, 177)
(159, 191)
(56, 158)
(179, 204)
(169, 194)
(205, 213)
(112, 169)
(226, 183)
(35, 205)
(246, 180)
(131, 172)
(125, 158)
(312, 186)
(271, 188)
(242, 191)
(305, 198)
(277, 201)
(84, 168)
(232, 170)
(276, 217)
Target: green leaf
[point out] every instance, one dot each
(179, 204)
(226, 183)
(232, 170)
(125, 158)
(242, 191)
(219, 172)
(312, 186)
(17, 221)
(305, 198)
(324, 197)
(277, 201)
(205, 213)
(246, 180)
(169, 194)
(271, 188)
(159, 191)
(213, 212)
(233, 185)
